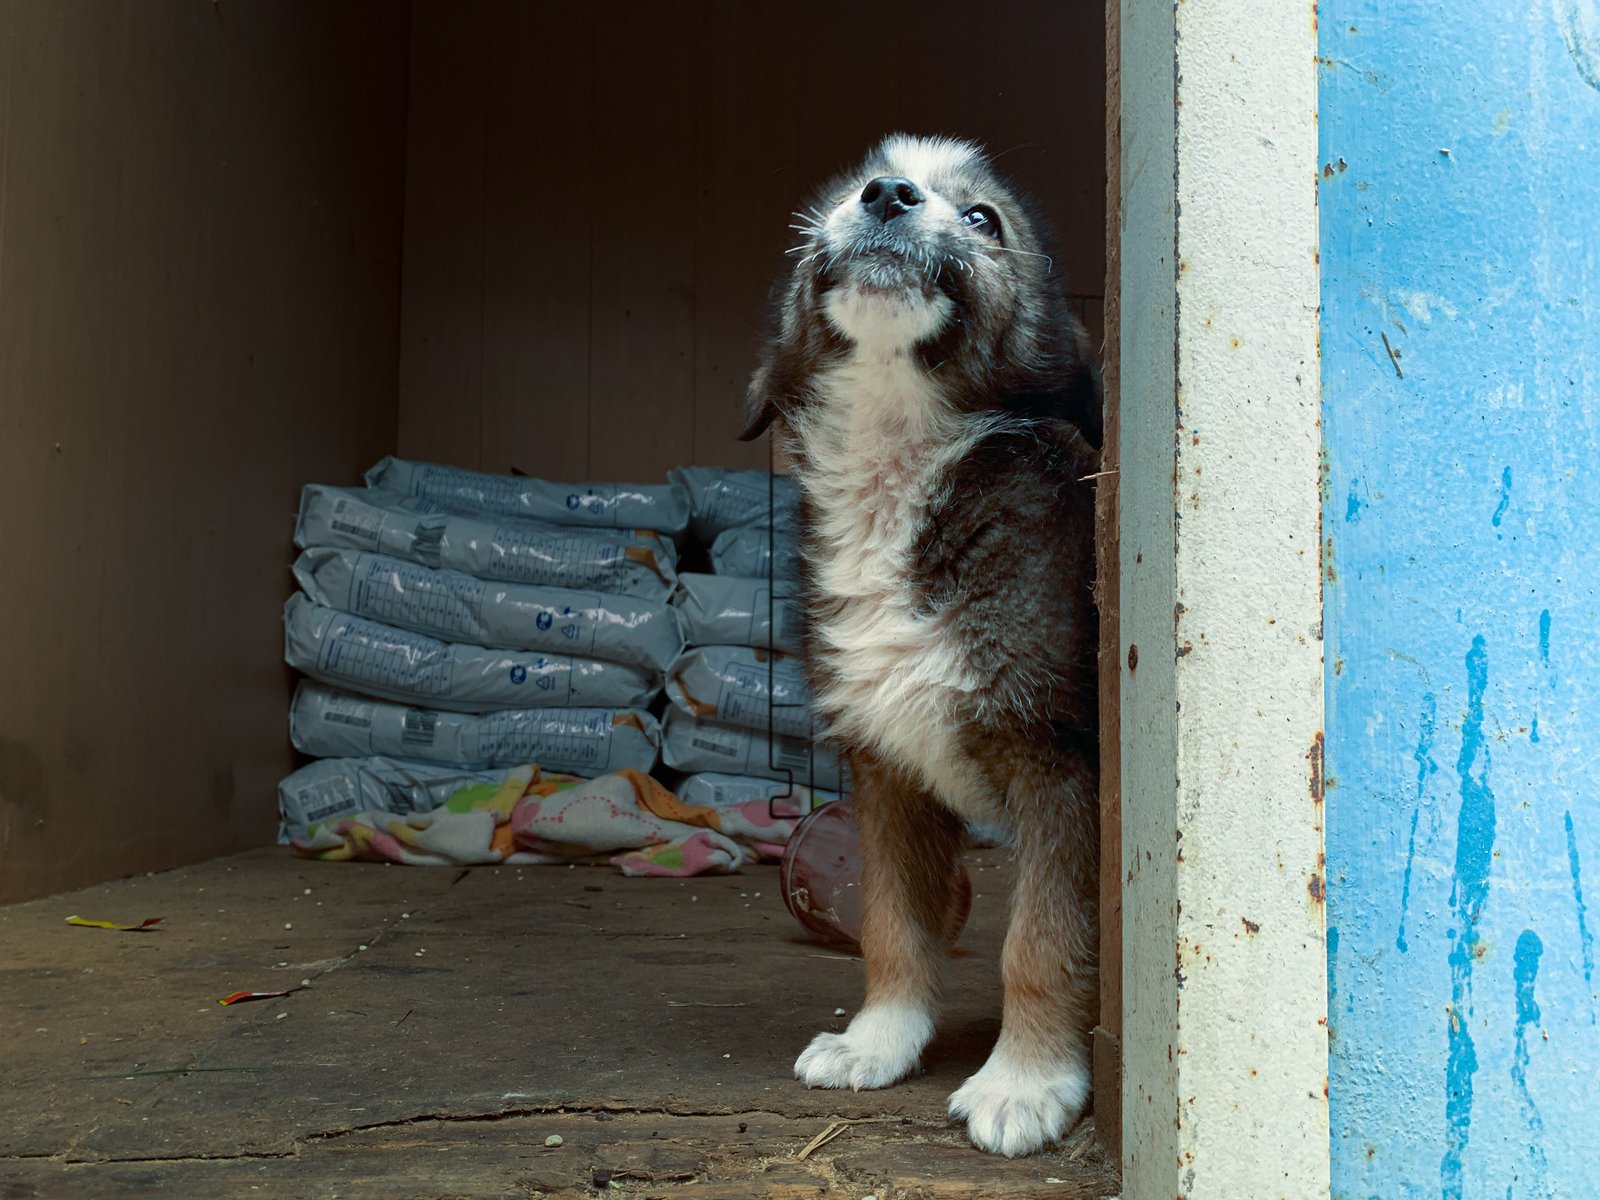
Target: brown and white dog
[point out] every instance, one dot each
(942, 414)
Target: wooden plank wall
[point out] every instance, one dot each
(200, 223)
(597, 199)
(1108, 594)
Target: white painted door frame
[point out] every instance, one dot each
(1224, 1038)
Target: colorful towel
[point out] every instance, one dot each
(543, 817)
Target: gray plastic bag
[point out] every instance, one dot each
(326, 723)
(691, 745)
(502, 548)
(518, 616)
(719, 610)
(732, 686)
(721, 499)
(756, 552)
(380, 660)
(342, 787)
(659, 506)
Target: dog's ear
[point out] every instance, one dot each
(760, 409)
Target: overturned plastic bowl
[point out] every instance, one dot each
(820, 877)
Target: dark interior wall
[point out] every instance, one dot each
(200, 231)
(204, 208)
(597, 198)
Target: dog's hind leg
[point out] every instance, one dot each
(1035, 1084)
(909, 844)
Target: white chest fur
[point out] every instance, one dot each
(879, 440)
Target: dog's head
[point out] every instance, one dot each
(922, 250)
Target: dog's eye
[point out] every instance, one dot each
(983, 218)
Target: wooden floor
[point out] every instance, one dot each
(452, 1024)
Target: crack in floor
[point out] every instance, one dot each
(555, 1110)
(307, 1140)
(60, 1156)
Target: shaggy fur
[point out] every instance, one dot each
(942, 414)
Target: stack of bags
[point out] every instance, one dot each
(738, 723)
(452, 622)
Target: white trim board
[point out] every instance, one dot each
(1224, 1044)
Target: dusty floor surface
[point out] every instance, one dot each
(450, 1023)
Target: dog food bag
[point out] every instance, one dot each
(505, 549)
(342, 787)
(716, 790)
(756, 552)
(719, 610)
(720, 499)
(692, 745)
(517, 616)
(661, 506)
(744, 687)
(326, 723)
(397, 664)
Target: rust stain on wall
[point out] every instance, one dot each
(1314, 759)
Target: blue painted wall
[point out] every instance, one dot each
(1460, 211)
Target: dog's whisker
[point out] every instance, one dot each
(1049, 262)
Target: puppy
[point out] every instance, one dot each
(941, 412)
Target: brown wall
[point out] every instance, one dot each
(200, 210)
(597, 197)
(201, 241)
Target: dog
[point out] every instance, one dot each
(941, 412)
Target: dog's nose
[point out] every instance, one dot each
(889, 196)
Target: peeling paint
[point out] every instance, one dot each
(1580, 31)
(1421, 304)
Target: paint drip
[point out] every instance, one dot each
(1585, 937)
(1524, 972)
(1475, 831)
(1426, 766)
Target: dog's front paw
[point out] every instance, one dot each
(881, 1046)
(1012, 1108)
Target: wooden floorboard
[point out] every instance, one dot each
(650, 1024)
